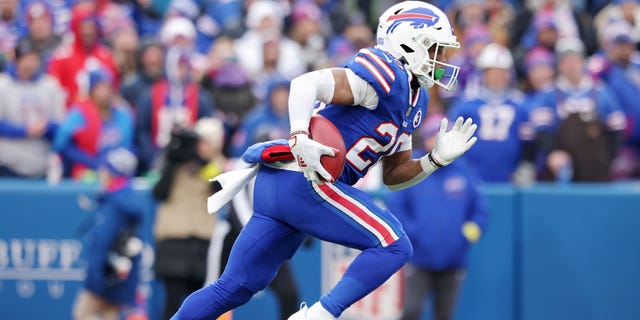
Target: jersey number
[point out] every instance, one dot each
(360, 161)
(495, 122)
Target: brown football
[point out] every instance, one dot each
(322, 130)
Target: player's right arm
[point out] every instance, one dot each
(400, 171)
(337, 86)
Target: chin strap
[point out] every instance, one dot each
(425, 82)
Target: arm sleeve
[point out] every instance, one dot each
(542, 116)
(305, 91)
(205, 104)
(76, 155)
(67, 128)
(319, 86)
(8, 129)
(143, 142)
(526, 133)
(610, 112)
(242, 138)
(128, 129)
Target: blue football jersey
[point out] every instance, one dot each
(503, 125)
(370, 134)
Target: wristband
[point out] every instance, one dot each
(433, 161)
(293, 133)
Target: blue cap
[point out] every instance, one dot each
(538, 56)
(97, 76)
(119, 162)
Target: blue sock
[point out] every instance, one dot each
(367, 272)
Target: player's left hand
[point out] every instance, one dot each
(308, 152)
(455, 142)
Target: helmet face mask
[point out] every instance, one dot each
(431, 70)
(408, 30)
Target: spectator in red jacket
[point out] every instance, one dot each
(70, 63)
(173, 102)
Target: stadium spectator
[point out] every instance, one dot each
(267, 122)
(496, 15)
(621, 72)
(60, 13)
(569, 22)
(211, 19)
(441, 234)
(124, 46)
(229, 83)
(539, 65)
(501, 114)
(579, 123)
(620, 11)
(175, 101)
(500, 19)
(179, 32)
(113, 18)
(113, 244)
(147, 15)
(543, 34)
(306, 30)
(40, 33)
(100, 122)
(355, 36)
(468, 13)
(71, 63)
(31, 107)
(150, 68)
(475, 39)
(233, 95)
(183, 227)
(265, 22)
(9, 28)
(270, 59)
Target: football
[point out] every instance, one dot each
(322, 130)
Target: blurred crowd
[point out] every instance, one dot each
(550, 82)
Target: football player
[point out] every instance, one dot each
(376, 102)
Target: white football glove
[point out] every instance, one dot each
(453, 143)
(307, 153)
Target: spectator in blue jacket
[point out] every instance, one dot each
(501, 113)
(578, 124)
(269, 122)
(442, 216)
(94, 125)
(211, 19)
(113, 247)
(622, 75)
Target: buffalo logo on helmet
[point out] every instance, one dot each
(419, 18)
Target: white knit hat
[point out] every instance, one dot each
(177, 26)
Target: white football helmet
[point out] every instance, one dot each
(408, 30)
